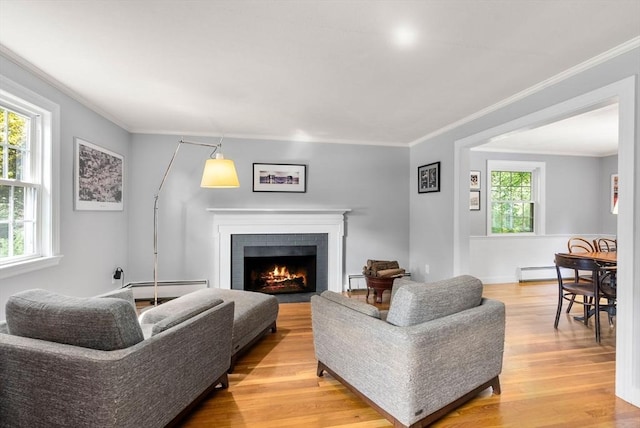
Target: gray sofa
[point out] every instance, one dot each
(85, 362)
(438, 346)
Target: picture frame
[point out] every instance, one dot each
(279, 177)
(429, 178)
(614, 192)
(474, 200)
(474, 180)
(98, 178)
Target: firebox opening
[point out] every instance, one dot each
(280, 274)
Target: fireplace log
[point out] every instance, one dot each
(390, 272)
(382, 268)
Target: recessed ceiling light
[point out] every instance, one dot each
(404, 36)
(301, 135)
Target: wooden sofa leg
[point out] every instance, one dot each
(232, 365)
(495, 385)
(320, 370)
(224, 381)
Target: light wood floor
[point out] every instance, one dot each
(550, 378)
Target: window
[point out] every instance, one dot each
(28, 221)
(516, 197)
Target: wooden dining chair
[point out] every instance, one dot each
(605, 244)
(578, 244)
(591, 292)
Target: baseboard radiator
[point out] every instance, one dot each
(537, 273)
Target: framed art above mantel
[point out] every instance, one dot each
(277, 177)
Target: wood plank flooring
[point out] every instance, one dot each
(550, 378)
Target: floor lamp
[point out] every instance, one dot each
(218, 173)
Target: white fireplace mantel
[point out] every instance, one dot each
(232, 221)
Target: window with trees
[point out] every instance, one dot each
(18, 189)
(28, 223)
(516, 197)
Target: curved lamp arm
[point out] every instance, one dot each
(157, 196)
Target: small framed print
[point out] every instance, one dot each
(474, 200)
(474, 180)
(98, 178)
(276, 177)
(429, 178)
(614, 193)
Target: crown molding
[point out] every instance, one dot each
(586, 65)
(21, 62)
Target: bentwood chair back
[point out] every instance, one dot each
(590, 291)
(577, 244)
(605, 244)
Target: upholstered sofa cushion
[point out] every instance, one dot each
(183, 315)
(97, 323)
(121, 293)
(417, 303)
(354, 304)
(198, 301)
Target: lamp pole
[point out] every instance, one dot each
(155, 210)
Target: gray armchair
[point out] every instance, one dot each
(438, 346)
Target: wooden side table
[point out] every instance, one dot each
(379, 284)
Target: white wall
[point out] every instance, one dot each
(577, 201)
(432, 222)
(497, 259)
(572, 192)
(429, 241)
(372, 181)
(92, 243)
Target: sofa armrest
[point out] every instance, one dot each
(411, 372)
(46, 383)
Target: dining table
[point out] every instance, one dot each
(607, 258)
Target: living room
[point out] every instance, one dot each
(388, 218)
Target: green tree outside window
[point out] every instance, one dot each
(16, 223)
(512, 207)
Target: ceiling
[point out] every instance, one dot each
(591, 133)
(352, 71)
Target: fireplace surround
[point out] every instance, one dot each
(228, 222)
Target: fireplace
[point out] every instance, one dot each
(281, 269)
(293, 267)
(232, 225)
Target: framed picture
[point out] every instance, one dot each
(277, 177)
(614, 192)
(474, 200)
(98, 178)
(429, 178)
(474, 180)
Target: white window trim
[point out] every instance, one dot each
(538, 170)
(50, 196)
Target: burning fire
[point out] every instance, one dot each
(281, 275)
(282, 272)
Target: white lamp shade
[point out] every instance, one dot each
(220, 173)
